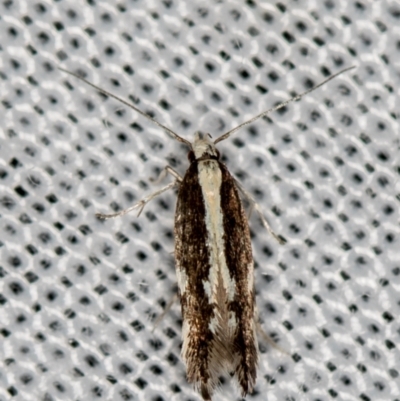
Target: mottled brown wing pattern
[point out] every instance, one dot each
(192, 264)
(239, 259)
(208, 355)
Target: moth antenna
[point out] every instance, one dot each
(279, 106)
(169, 131)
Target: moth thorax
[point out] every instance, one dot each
(203, 147)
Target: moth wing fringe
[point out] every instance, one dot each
(225, 358)
(220, 362)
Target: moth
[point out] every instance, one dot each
(214, 261)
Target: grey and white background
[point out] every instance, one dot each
(79, 297)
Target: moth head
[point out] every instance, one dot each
(203, 147)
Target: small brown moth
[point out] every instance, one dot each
(214, 261)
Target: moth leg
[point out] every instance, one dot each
(168, 307)
(254, 205)
(164, 172)
(268, 339)
(139, 205)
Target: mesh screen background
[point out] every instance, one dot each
(78, 297)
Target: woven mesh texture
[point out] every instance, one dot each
(79, 297)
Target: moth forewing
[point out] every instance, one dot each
(214, 266)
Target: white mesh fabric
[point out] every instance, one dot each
(78, 296)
